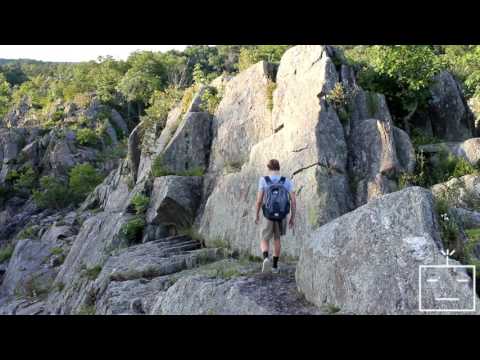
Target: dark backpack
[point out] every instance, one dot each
(276, 205)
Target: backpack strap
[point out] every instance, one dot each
(282, 180)
(268, 180)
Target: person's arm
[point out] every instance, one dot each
(258, 206)
(293, 201)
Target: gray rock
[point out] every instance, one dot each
(367, 261)
(373, 159)
(16, 117)
(28, 273)
(468, 149)
(255, 294)
(310, 146)
(463, 192)
(447, 115)
(243, 117)
(174, 200)
(134, 151)
(119, 122)
(189, 148)
(405, 150)
(469, 219)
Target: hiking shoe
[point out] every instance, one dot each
(275, 270)
(266, 266)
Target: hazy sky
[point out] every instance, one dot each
(76, 52)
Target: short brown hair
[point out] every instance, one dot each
(273, 165)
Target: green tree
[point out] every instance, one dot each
(4, 95)
(145, 75)
(83, 178)
(402, 72)
(52, 194)
(107, 76)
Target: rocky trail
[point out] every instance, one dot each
(170, 228)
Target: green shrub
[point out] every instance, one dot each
(271, 86)
(93, 272)
(6, 252)
(26, 181)
(86, 310)
(420, 138)
(197, 171)
(158, 168)
(187, 98)
(33, 289)
(52, 194)
(132, 230)
(210, 100)
(87, 137)
(29, 232)
(83, 178)
(140, 203)
(56, 251)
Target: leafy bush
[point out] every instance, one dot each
(26, 181)
(271, 86)
(83, 179)
(52, 194)
(402, 72)
(93, 272)
(158, 168)
(197, 171)
(133, 229)
(87, 137)
(140, 203)
(210, 100)
(187, 98)
(29, 232)
(445, 167)
(6, 252)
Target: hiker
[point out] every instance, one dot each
(276, 198)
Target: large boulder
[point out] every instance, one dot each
(189, 149)
(243, 117)
(134, 151)
(17, 115)
(34, 264)
(447, 115)
(245, 294)
(368, 261)
(11, 142)
(174, 200)
(310, 145)
(363, 104)
(463, 192)
(374, 161)
(468, 149)
(180, 125)
(118, 122)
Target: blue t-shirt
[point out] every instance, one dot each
(262, 184)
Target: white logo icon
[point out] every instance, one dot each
(451, 299)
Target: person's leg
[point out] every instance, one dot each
(267, 234)
(277, 247)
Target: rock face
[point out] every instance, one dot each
(243, 117)
(260, 294)
(368, 261)
(468, 149)
(175, 200)
(461, 192)
(189, 148)
(378, 154)
(448, 115)
(311, 148)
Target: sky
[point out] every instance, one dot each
(75, 53)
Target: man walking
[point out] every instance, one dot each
(276, 198)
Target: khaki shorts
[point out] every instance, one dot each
(273, 229)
